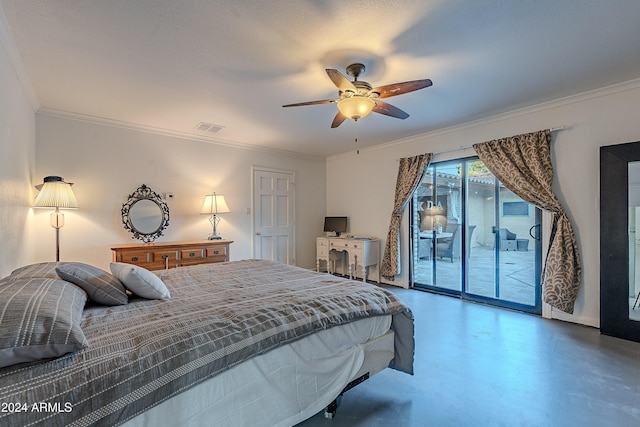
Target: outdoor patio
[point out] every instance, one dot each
(517, 279)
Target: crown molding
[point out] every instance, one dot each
(560, 102)
(172, 133)
(13, 54)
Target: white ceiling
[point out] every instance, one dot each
(170, 64)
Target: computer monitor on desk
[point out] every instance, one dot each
(335, 224)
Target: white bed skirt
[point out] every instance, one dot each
(284, 386)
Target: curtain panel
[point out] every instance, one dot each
(410, 172)
(523, 164)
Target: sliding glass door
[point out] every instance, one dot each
(437, 233)
(475, 238)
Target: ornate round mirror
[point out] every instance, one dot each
(145, 214)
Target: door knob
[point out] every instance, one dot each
(258, 233)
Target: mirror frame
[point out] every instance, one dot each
(614, 237)
(145, 193)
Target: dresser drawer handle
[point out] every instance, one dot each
(216, 252)
(135, 259)
(192, 254)
(165, 256)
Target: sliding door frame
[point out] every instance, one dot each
(536, 308)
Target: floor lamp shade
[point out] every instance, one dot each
(55, 193)
(213, 205)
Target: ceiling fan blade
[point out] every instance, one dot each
(338, 119)
(389, 110)
(341, 82)
(299, 104)
(400, 88)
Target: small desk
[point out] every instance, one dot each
(363, 252)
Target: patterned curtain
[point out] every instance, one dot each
(410, 172)
(523, 164)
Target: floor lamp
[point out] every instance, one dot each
(55, 193)
(213, 205)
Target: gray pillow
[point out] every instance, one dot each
(102, 287)
(39, 270)
(140, 281)
(40, 319)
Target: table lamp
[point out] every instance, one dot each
(213, 205)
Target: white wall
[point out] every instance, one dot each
(107, 163)
(362, 186)
(17, 145)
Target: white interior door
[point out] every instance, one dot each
(273, 215)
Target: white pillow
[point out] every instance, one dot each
(140, 281)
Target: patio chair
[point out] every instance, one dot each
(424, 248)
(450, 227)
(508, 240)
(450, 248)
(469, 235)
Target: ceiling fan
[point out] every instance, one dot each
(358, 98)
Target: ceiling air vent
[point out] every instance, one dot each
(208, 127)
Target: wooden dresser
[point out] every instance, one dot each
(162, 255)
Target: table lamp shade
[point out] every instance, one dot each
(214, 204)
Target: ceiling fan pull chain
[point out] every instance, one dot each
(355, 139)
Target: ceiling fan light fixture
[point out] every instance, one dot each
(357, 98)
(356, 107)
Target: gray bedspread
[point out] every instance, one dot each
(147, 351)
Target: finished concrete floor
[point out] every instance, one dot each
(480, 366)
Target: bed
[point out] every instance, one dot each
(250, 343)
